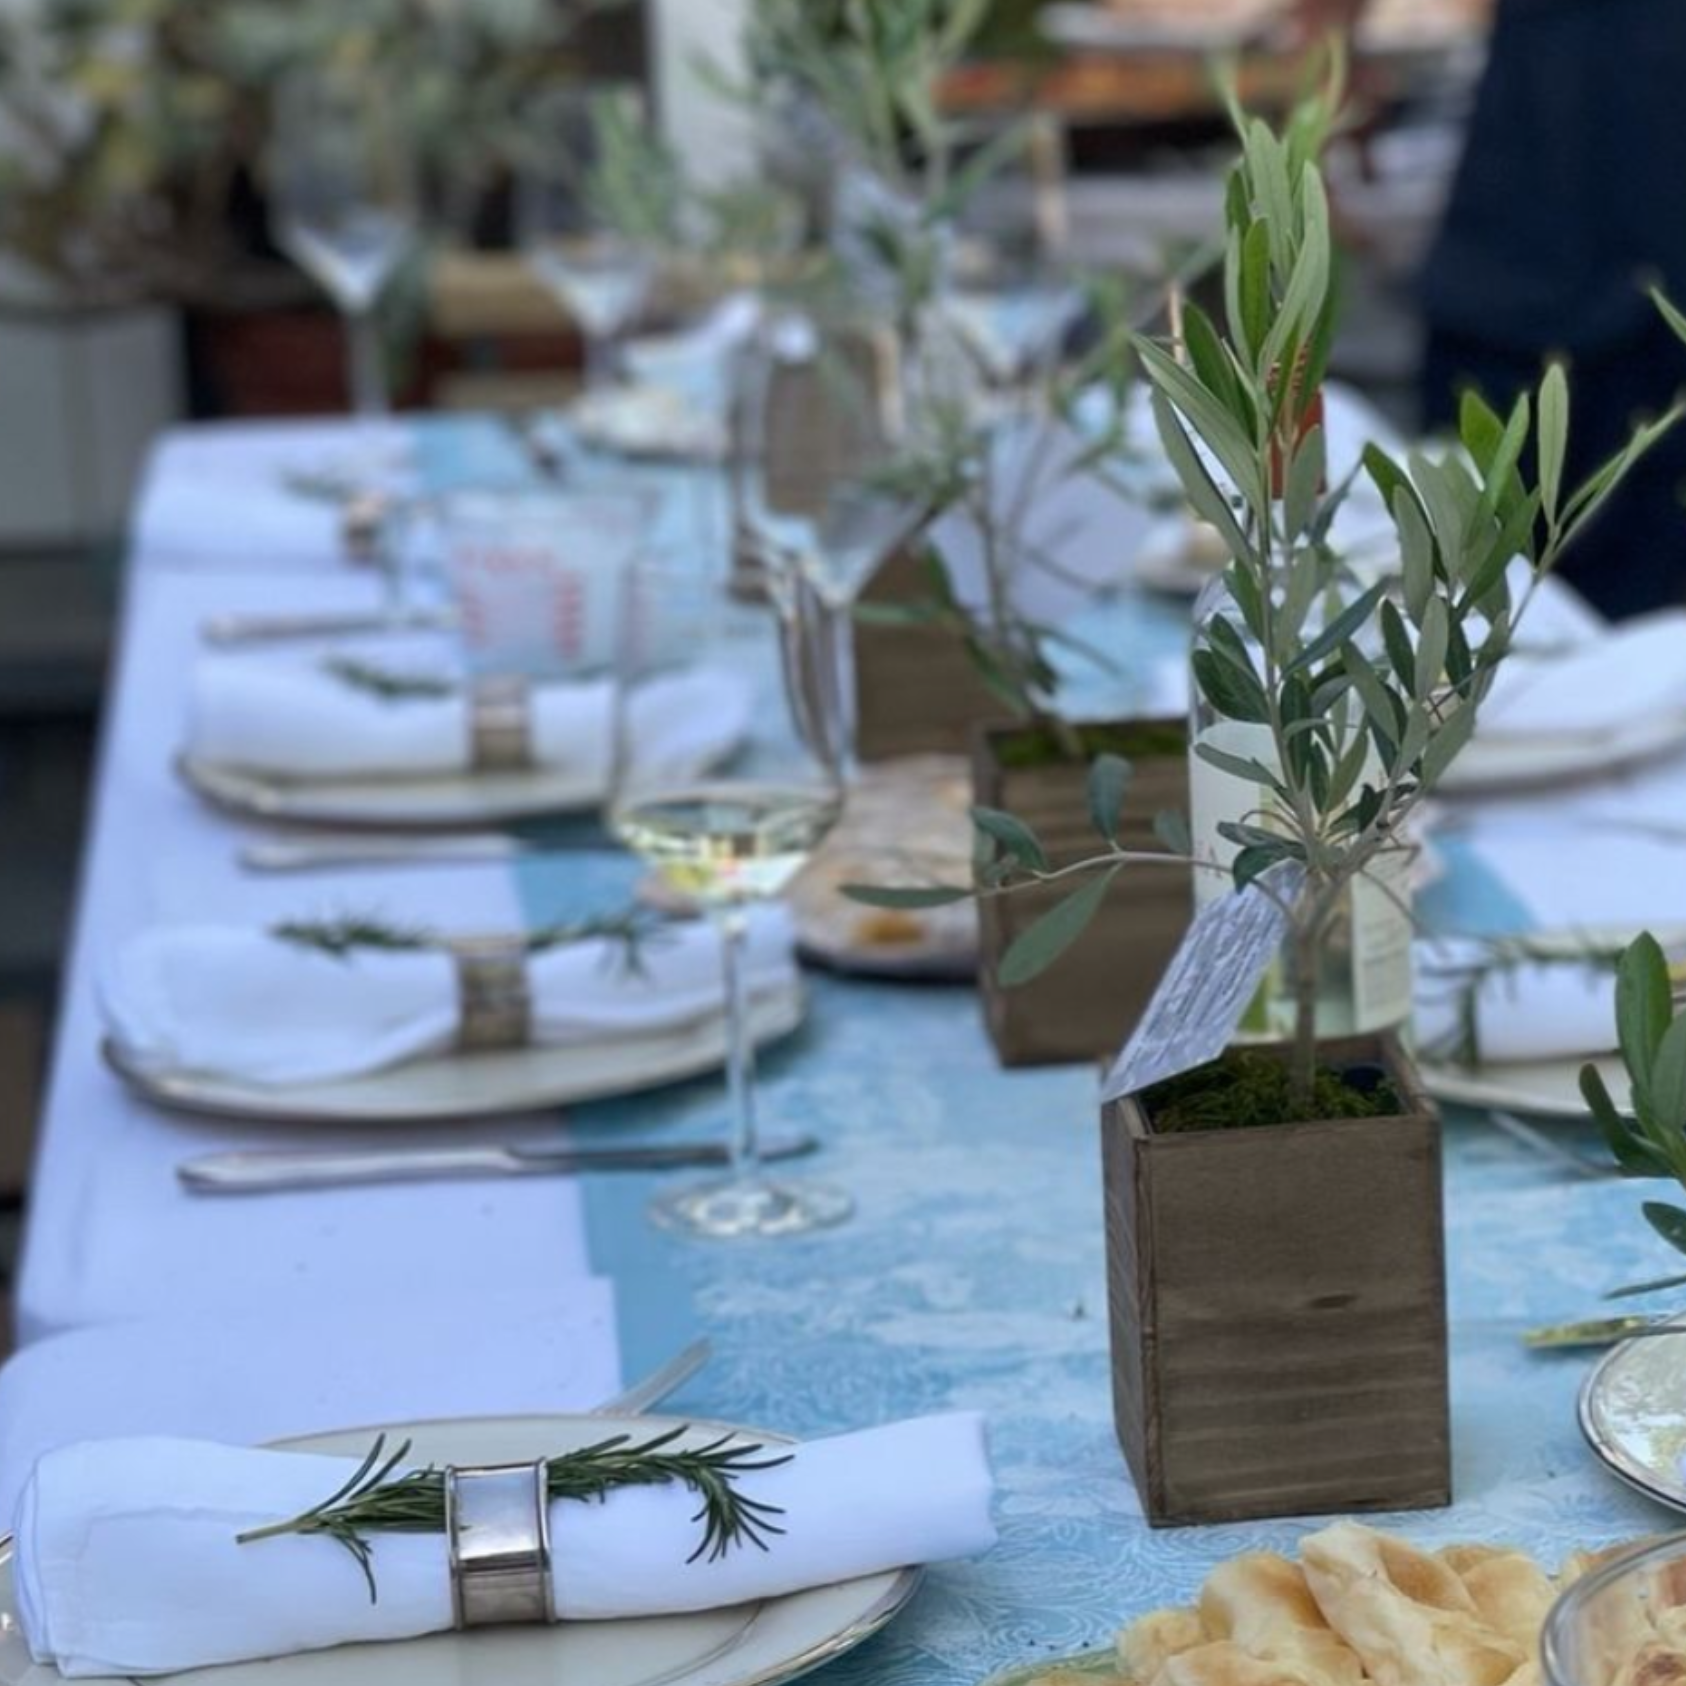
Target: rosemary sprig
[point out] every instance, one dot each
(629, 933)
(386, 683)
(375, 1501)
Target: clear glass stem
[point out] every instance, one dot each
(365, 365)
(745, 1143)
(602, 360)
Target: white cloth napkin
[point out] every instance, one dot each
(230, 497)
(245, 1004)
(338, 1354)
(127, 1561)
(1545, 1010)
(1601, 685)
(291, 717)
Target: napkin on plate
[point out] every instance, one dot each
(1602, 685)
(127, 1561)
(1535, 1010)
(294, 717)
(246, 1004)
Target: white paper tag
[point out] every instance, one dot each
(1214, 975)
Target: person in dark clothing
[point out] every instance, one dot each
(1564, 211)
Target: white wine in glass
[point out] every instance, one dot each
(729, 841)
(723, 842)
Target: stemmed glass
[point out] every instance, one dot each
(1010, 292)
(823, 472)
(601, 275)
(724, 842)
(343, 203)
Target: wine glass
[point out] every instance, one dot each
(826, 447)
(723, 841)
(1010, 293)
(600, 273)
(343, 202)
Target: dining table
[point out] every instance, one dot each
(971, 1276)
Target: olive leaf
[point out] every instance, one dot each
(1037, 948)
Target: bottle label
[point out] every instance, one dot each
(1366, 971)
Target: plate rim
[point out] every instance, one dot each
(904, 1582)
(773, 1017)
(251, 794)
(1637, 1476)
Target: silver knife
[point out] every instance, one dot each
(271, 1170)
(309, 854)
(228, 631)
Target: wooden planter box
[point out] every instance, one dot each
(917, 691)
(1087, 1003)
(1278, 1308)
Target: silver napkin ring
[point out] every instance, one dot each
(494, 995)
(500, 719)
(497, 1518)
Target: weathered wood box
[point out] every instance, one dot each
(1278, 1309)
(1087, 1003)
(917, 691)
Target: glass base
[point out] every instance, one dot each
(726, 1209)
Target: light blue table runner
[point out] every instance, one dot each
(973, 1276)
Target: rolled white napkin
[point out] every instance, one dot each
(292, 717)
(245, 1004)
(127, 1561)
(1536, 1010)
(1603, 684)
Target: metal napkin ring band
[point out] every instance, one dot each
(500, 714)
(494, 996)
(497, 1518)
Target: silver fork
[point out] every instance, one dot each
(650, 1390)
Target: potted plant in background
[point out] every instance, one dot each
(1274, 1216)
(139, 131)
(1002, 481)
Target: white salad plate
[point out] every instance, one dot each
(750, 1645)
(471, 1085)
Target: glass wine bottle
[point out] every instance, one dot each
(1364, 975)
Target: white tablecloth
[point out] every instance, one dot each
(112, 1237)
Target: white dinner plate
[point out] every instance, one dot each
(452, 800)
(1633, 1414)
(1514, 763)
(750, 1645)
(475, 1085)
(1539, 1088)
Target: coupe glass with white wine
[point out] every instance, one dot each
(723, 841)
(343, 202)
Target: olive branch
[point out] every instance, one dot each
(376, 1500)
(1359, 699)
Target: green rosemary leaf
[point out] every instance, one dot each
(385, 683)
(375, 1500)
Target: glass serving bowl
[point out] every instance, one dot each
(1604, 1620)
